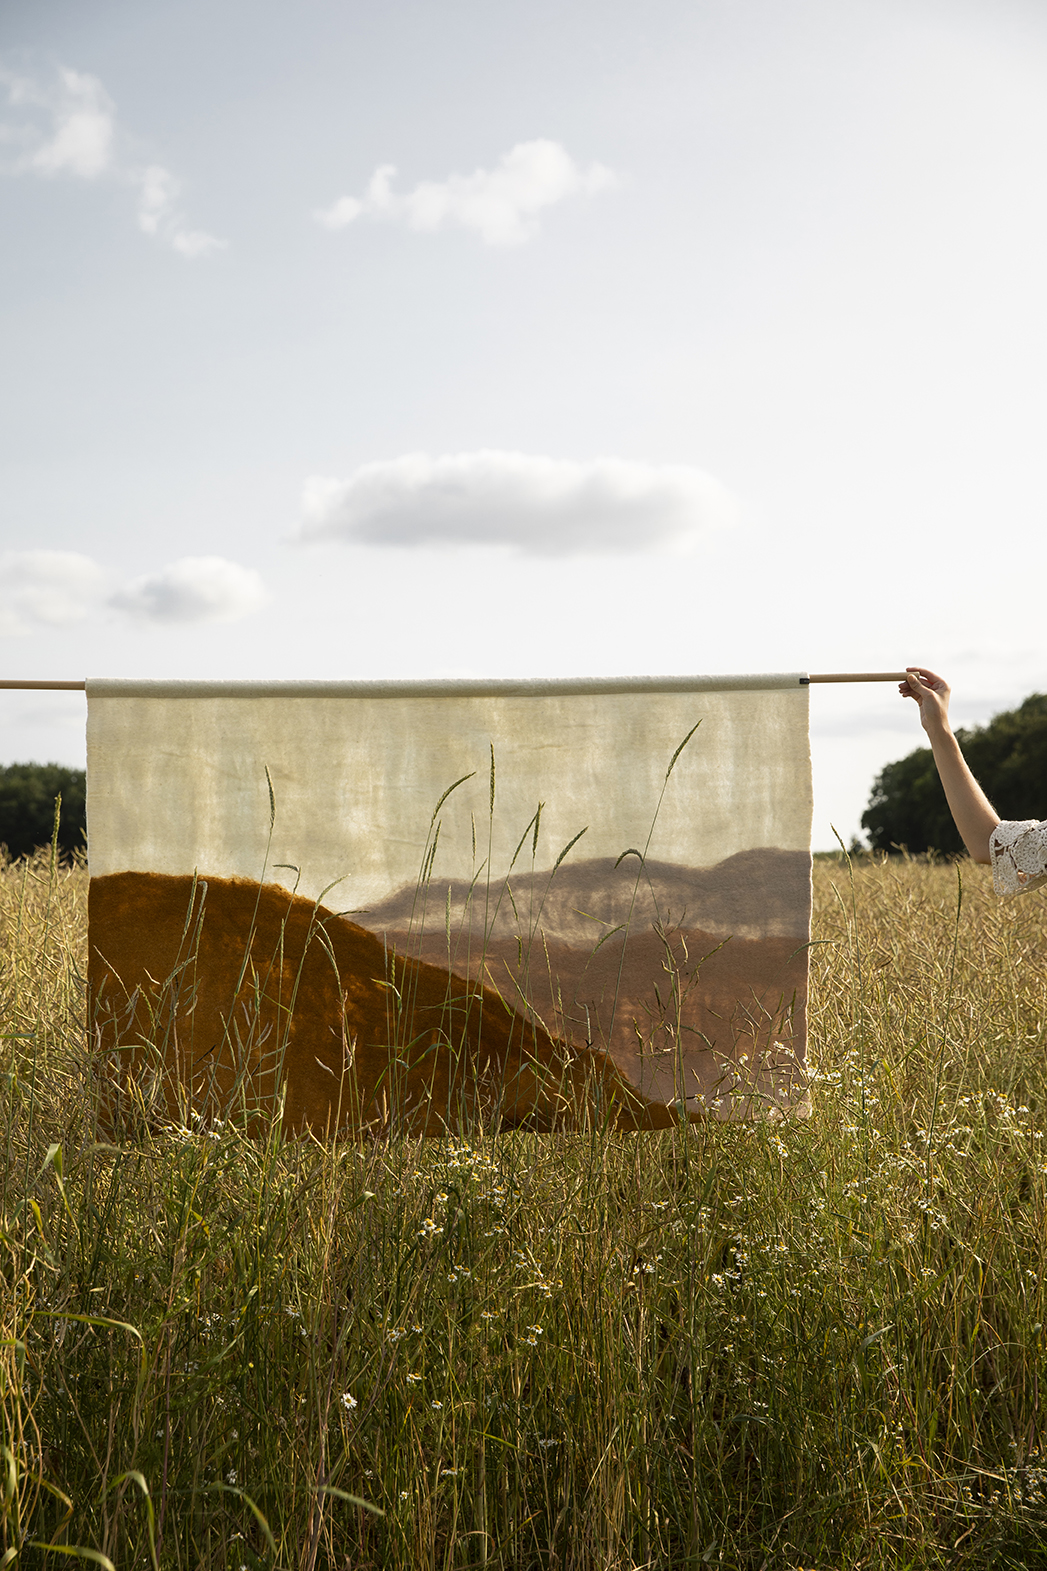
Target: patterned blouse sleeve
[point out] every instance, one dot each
(1018, 849)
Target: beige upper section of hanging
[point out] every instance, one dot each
(177, 775)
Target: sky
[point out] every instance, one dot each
(568, 337)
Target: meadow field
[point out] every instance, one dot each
(806, 1344)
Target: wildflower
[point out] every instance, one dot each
(414, 1379)
(230, 1477)
(349, 1401)
(435, 1403)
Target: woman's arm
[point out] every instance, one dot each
(974, 815)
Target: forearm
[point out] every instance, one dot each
(974, 815)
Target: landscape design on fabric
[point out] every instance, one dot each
(623, 992)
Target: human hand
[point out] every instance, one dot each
(931, 692)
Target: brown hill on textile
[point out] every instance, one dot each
(215, 995)
(692, 980)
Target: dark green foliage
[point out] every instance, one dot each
(27, 807)
(908, 807)
(1009, 758)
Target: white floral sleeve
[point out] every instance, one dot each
(1018, 849)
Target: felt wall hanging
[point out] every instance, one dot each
(410, 905)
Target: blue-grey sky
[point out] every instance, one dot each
(575, 336)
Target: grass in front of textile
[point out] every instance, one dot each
(807, 1344)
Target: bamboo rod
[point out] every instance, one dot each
(825, 676)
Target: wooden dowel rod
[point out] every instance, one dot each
(859, 676)
(69, 687)
(824, 676)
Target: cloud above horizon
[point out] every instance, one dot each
(46, 589)
(501, 205)
(539, 506)
(68, 126)
(52, 589)
(193, 589)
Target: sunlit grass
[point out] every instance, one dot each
(816, 1343)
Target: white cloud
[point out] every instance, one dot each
(193, 589)
(46, 589)
(158, 189)
(159, 214)
(82, 124)
(543, 506)
(42, 589)
(501, 205)
(69, 127)
(192, 243)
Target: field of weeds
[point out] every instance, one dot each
(817, 1343)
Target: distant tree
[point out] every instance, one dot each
(1009, 758)
(27, 807)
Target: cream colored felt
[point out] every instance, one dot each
(179, 783)
(177, 775)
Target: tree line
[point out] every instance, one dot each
(907, 808)
(28, 793)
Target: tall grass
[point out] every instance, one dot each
(811, 1343)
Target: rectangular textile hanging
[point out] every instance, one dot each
(408, 905)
